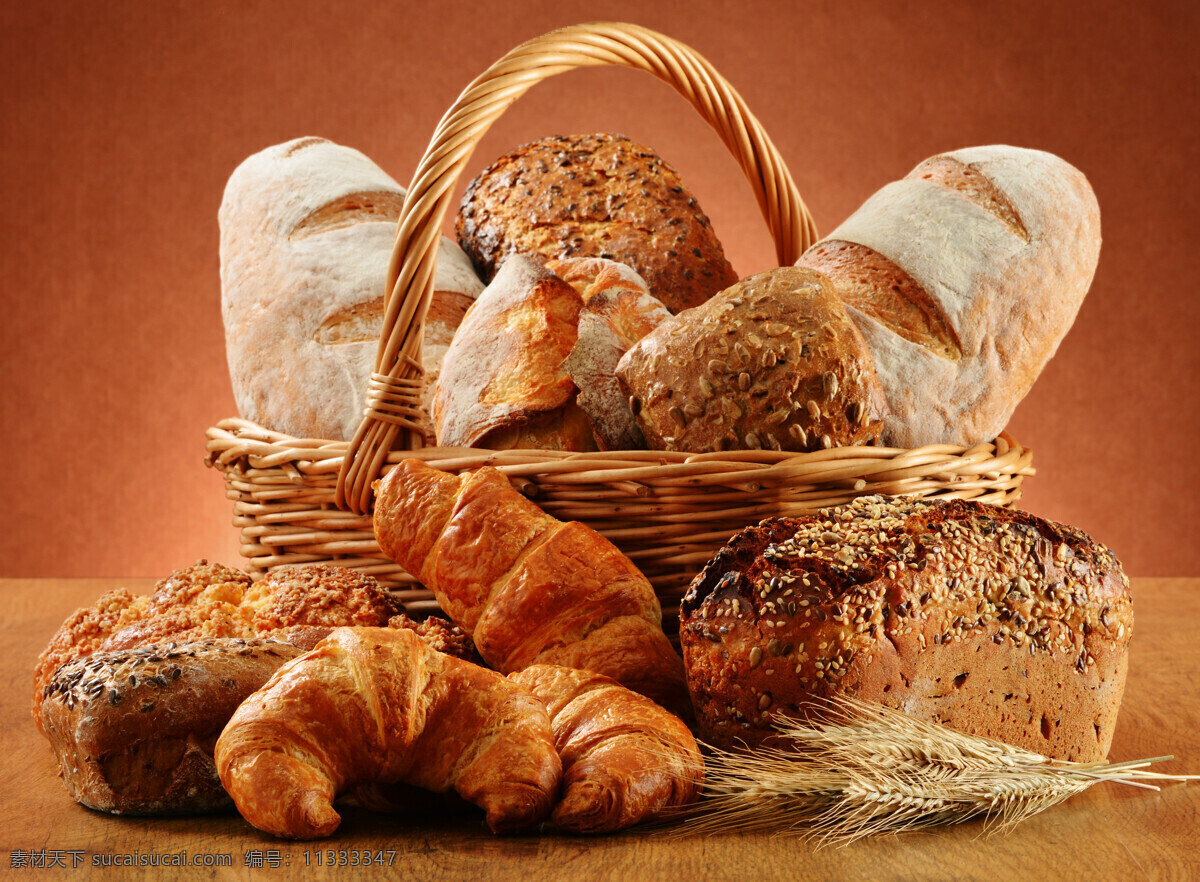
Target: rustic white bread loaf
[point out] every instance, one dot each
(964, 277)
(306, 233)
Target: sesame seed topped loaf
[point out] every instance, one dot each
(134, 729)
(987, 620)
(773, 362)
(595, 196)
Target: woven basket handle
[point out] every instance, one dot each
(394, 395)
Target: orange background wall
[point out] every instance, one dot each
(122, 120)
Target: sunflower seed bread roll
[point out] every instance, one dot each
(134, 729)
(988, 620)
(307, 229)
(773, 362)
(964, 277)
(597, 195)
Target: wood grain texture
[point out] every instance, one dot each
(1107, 833)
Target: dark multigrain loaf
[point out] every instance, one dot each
(773, 362)
(134, 730)
(595, 196)
(990, 621)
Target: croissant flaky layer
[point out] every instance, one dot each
(376, 704)
(527, 587)
(625, 759)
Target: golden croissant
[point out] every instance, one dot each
(625, 759)
(377, 704)
(526, 587)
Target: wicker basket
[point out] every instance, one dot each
(308, 501)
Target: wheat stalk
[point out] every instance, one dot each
(866, 769)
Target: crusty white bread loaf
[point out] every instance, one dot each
(988, 620)
(503, 384)
(306, 234)
(134, 729)
(964, 277)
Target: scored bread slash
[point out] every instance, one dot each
(963, 277)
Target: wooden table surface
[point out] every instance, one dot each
(1109, 832)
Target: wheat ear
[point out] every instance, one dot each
(866, 769)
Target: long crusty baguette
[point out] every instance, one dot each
(528, 588)
(377, 704)
(964, 277)
(625, 759)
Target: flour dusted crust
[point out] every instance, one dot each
(988, 620)
(598, 195)
(306, 235)
(964, 277)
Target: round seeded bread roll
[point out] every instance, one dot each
(595, 196)
(773, 362)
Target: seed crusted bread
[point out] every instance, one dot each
(987, 620)
(134, 730)
(210, 600)
(773, 362)
(598, 195)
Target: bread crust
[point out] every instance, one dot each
(618, 311)
(211, 600)
(773, 362)
(991, 621)
(502, 383)
(598, 195)
(964, 277)
(133, 730)
(307, 229)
